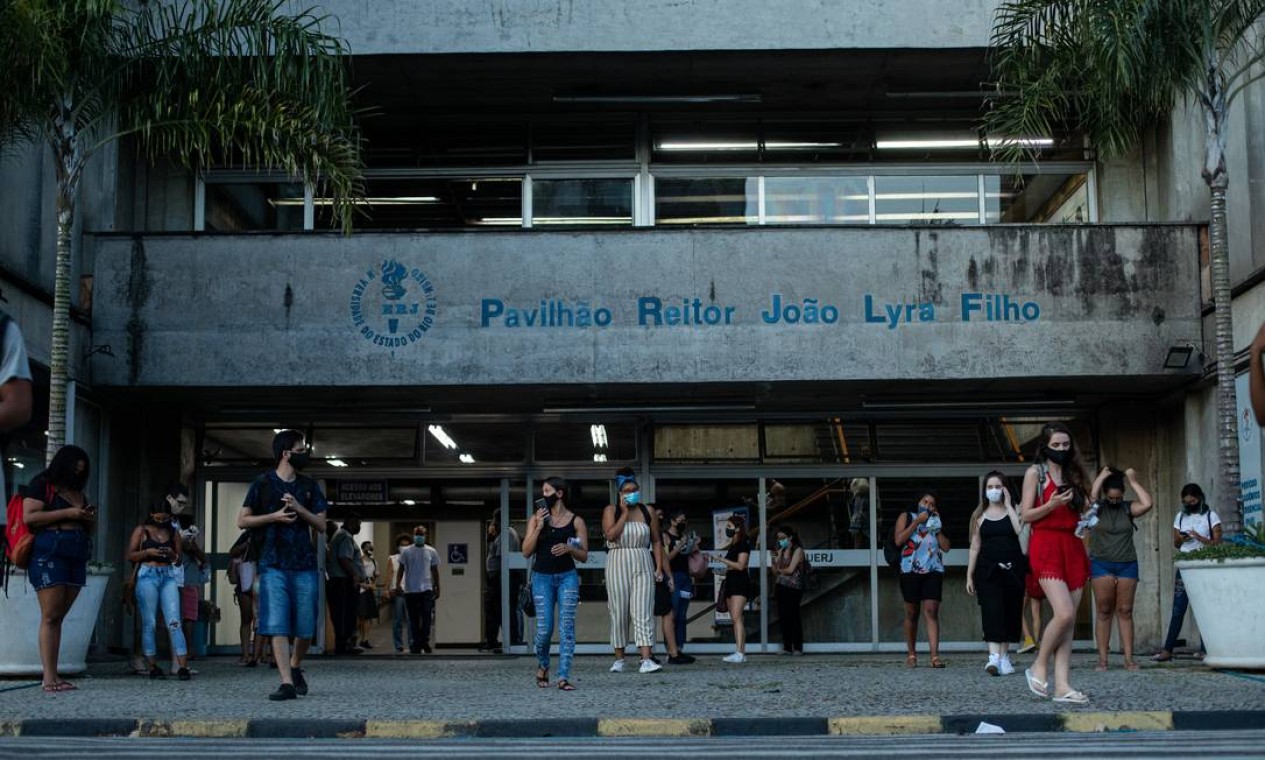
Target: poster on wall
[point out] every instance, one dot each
(720, 517)
(1249, 454)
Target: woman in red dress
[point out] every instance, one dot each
(1054, 497)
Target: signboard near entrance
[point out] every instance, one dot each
(1249, 454)
(360, 491)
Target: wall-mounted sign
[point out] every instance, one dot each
(359, 491)
(458, 554)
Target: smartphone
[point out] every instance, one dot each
(1063, 488)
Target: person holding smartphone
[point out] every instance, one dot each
(1055, 491)
(555, 540)
(156, 546)
(1195, 527)
(58, 511)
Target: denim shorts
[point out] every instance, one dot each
(1101, 568)
(59, 558)
(288, 602)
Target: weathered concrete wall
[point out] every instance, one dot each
(308, 309)
(503, 26)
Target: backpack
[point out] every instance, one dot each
(18, 537)
(891, 550)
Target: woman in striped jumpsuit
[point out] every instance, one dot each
(634, 563)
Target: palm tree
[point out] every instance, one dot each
(1112, 69)
(202, 82)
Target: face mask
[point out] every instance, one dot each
(78, 481)
(1114, 502)
(299, 461)
(994, 495)
(160, 522)
(547, 502)
(730, 532)
(1057, 456)
(633, 498)
(782, 543)
(1192, 509)
(419, 540)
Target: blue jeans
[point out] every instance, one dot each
(155, 585)
(288, 602)
(59, 558)
(1180, 603)
(401, 620)
(563, 590)
(681, 605)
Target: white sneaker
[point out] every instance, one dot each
(736, 657)
(994, 664)
(649, 666)
(617, 666)
(1005, 667)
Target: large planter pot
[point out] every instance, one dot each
(20, 611)
(1227, 600)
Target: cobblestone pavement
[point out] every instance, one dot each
(467, 688)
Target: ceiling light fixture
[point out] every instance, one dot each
(466, 458)
(335, 463)
(442, 436)
(689, 145)
(399, 200)
(958, 144)
(744, 97)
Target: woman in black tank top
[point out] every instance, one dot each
(156, 548)
(555, 540)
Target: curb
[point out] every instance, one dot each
(877, 725)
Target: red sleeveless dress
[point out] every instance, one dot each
(1054, 551)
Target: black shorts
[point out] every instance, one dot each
(921, 587)
(662, 599)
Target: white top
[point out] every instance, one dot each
(1201, 524)
(394, 562)
(417, 562)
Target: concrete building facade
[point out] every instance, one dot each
(744, 248)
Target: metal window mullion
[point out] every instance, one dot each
(1091, 192)
(527, 200)
(764, 577)
(759, 190)
(983, 206)
(309, 207)
(199, 204)
(870, 188)
(875, 554)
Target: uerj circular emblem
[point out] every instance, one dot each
(393, 306)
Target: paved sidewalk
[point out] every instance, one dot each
(719, 697)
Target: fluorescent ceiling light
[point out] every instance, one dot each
(599, 457)
(466, 458)
(442, 436)
(751, 97)
(742, 145)
(335, 463)
(397, 200)
(408, 502)
(598, 433)
(951, 144)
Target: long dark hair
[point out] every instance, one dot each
(61, 471)
(792, 535)
(740, 530)
(560, 485)
(1073, 471)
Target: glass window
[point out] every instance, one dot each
(1035, 198)
(248, 206)
(582, 202)
(705, 142)
(927, 200)
(494, 142)
(354, 445)
(831, 441)
(816, 200)
(227, 445)
(803, 142)
(434, 203)
(715, 200)
(586, 442)
(577, 140)
(706, 443)
(475, 442)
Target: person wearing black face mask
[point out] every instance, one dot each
(156, 548)
(346, 574)
(1114, 559)
(56, 509)
(678, 545)
(1195, 527)
(283, 507)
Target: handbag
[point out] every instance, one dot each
(722, 601)
(698, 567)
(129, 588)
(526, 602)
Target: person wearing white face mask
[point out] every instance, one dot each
(995, 571)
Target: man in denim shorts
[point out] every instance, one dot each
(283, 507)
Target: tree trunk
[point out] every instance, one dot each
(1231, 507)
(59, 359)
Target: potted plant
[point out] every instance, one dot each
(1224, 584)
(20, 611)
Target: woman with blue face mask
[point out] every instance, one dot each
(788, 567)
(634, 564)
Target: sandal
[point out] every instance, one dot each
(542, 678)
(1101, 667)
(1073, 697)
(1040, 688)
(60, 686)
(911, 660)
(936, 662)
(1131, 665)
(565, 685)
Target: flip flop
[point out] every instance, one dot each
(1040, 688)
(936, 662)
(911, 661)
(1073, 697)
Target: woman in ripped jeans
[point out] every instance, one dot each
(556, 538)
(156, 547)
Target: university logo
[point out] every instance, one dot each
(393, 306)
